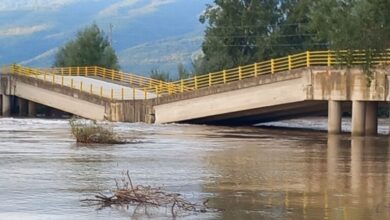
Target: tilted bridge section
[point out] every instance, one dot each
(309, 83)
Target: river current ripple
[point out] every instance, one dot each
(279, 170)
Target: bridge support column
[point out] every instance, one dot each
(371, 118)
(6, 105)
(358, 118)
(334, 117)
(32, 109)
(22, 107)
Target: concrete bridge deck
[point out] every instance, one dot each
(294, 86)
(100, 87)
(77, 95)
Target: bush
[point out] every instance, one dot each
(90, 48)
(88, 132)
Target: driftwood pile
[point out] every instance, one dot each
(127, 194)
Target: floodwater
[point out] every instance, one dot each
(272, 172)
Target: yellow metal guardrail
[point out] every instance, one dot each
(108, 74)
(131, 86)
(305, 59)
(148, 88)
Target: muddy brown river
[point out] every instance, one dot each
(280, 170)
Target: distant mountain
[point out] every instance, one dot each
(163, 55)
(146, 33)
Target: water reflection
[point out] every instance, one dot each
(343, 178)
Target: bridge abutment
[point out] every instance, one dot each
(334, 117)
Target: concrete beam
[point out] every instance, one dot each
(32, 109)
(6, 105)
(371, 118)
(334, 117)
(57, 100)
(358, 118)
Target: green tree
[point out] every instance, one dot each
(90, 48)
(240, 32)
(182, 72)
(352, 24)
(294, 34)
(246, 31)
(160, 75)
(235, 31)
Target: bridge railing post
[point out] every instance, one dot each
(289, 63)
(329, 58)
(307, 58)
(239, 73)
(131, 80)
(255, 69)
(95, 70)
(196, 82)
(160, 86)
(181, 86)
(224, 77)
(272, 66)
(157, 91)
(210, 80)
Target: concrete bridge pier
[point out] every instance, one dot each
(358, 118)
(6, 105)
(32, 109)
(334, 117)
(371, 118)
(23, 105)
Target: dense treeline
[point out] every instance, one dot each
(240, 32)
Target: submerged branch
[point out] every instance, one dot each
(128, 194)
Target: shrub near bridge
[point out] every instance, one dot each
(88, 132)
